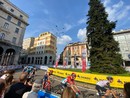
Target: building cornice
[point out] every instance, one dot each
(121, 32)
(77, 43)
(11, 4)
(6, 42)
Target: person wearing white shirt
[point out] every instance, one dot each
(37, 85)
(104, 86)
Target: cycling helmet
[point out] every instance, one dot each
(73, 74)
(109, 78)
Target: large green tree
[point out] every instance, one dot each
(104, 50)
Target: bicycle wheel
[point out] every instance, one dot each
(83, 93)
(86, 94)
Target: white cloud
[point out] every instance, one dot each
(81, 21)
(63, 40)
(118, 5)
(67, 27)
(106, 2)
(82, 34)
(117, 11)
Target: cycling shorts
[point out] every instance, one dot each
(100, 89)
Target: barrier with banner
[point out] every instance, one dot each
(92, 78)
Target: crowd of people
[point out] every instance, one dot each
(28, 87)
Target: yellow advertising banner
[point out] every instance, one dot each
(92, 78)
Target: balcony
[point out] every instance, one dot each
(7, 42)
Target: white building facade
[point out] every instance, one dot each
(123, 38)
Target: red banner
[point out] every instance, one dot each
(56, 64)
(83, 65)
(57, 60)
(64, 63)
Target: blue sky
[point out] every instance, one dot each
(67, 18)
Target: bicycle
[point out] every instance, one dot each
(117, 95)
(86, 94)
(58, 89)
(47, 86)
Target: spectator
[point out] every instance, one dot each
(18, 89)
(9, 72)
(127, 90)
(37, 85)
(68, 93)
(2, 88)
(9, 79)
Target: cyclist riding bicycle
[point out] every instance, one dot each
(70, 82)
(30, 70)
(47, 81)
(104, 86)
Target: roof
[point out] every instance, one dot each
(122, 32)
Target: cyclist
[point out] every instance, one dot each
(71, 83)
(30, 70)
(47, 81)
(104, 86)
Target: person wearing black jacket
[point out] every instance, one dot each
(18, 89)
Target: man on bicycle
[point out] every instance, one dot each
(70, 81)
(47, 81)
(104, 86)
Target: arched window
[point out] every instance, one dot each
(45, 60)
(2, 36)
(50, 59)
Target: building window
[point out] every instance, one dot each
(9, 18)
(19, 23)
(6, 25)
(2, 36)
(17, 30)
(21, 16)
(14, 40)
(11, 10)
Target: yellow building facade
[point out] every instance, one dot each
(74, 52)
(44, 49)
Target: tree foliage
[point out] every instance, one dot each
(104, 50)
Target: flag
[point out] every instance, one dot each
(83, 65)
(64, 63)
(56, 64)
(57, 60)
(84, 60)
